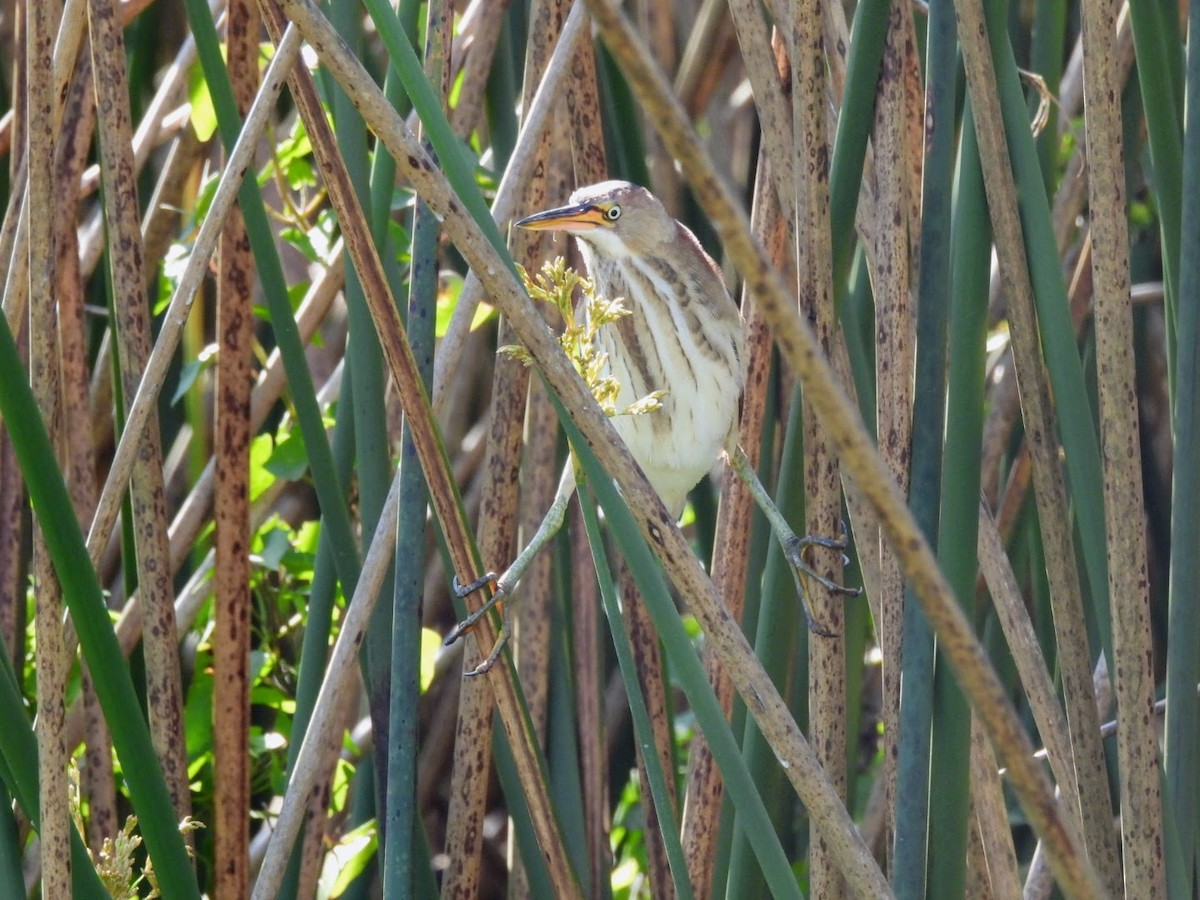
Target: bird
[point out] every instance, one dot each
(683, 335)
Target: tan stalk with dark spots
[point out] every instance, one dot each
(231, 503)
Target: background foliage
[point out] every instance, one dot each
(251, 429)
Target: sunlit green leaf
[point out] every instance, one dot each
(203, 116)
(289, 459)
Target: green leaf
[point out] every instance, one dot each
(431, 645)
(261, 478)
(296, 145)
(204, 199)
(347, 860)
(191, 370)
(289, 460)
(275, 544)
(203, 116)
(449, 290)
(299, 238)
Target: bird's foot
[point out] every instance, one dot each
(499, 592)
(502, 638)
(795, 549)
(466, 590)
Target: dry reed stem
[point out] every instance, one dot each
(193, 512)
(175, 317)
(414, 162)
(14, 251)
(770, 80)
(1036, 679)
(978, 883)
(15, 230)
(1068, 204)
(694, 77)
(132, 325)
(231, 503)
(482, 20)
(52, 663)
(895, 361)
(497, 530)
(513, 183)
(1125, 514)
(798, 345)
(1070, 860)
(328, 717)
(656, 22)
(822, 481)
(153, 127)
(730, 566)
(588, 154)
(541, 473)
(499, 510)
(647, 659)
(74, 146)
(991, 813)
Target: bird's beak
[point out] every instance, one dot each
(576, 219)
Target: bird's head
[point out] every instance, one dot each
(615, 217)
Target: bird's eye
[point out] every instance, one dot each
(613, 213)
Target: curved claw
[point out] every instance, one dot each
(499, 591)
(458, 631)
(817, 628)
(794, 549)
(486, 666)
(463, 590)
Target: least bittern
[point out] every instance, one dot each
(684, 335)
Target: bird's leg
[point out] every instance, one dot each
(793, 546)
(505, 583)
